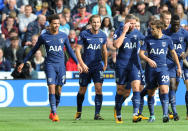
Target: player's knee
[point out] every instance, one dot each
(82, 90)
(98, 90)
(120, 91)
(151, 93)
(127, 93)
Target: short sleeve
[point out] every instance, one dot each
(170, 45)
(81, 39)
(143, 45)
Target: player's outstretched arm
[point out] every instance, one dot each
(118, 42)
(79, 57)
(176, 60)
(148, 60)
(105, 56)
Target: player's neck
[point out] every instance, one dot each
(159, 35)
(94, 31)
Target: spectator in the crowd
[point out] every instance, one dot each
(95, 9)
(106, 26)
(70, 64)
(143, 14)
(10, 6)
(44, 10)
(74, 3)
(76, 6)
(154, 9)
(59, 6)
(26, 18)
(36, 4)
(162, 8)
(64, 26)
(4, 63)
(12, 33)
(15, 52)
(7, 26)
(117, 7)
(33, 28)
(33, 43)
(180, 12)
(172, 4)
(2, 5)
(2, 42)
(81, 19)
(103, 13)
(121, 17)
(67, 14)
(38, 61)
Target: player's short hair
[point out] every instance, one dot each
(130, 16)
(158, 23)
(165, 12)
(95, 16)
(175, 17)
(53, 17)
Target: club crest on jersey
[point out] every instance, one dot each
(181, 39)
(115, 36)
(61, 40)
(163, 44)
(101, 40)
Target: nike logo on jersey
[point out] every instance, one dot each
(88, 39)
(151, 43)
(47, 41)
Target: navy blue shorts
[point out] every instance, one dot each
(96, 74)
(129, 74)
(55, 73)
(155, 78)
(172, 69)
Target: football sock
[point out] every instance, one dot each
(98, 103)
(52, 103)
(57, 97)
(141, 105)
(118, 103)
(165, 101)
(186, 100)
(172, 100)
(80, 99)
(151, 101)
(136, 102)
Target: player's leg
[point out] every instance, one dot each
(164, 101)
(58, 89)
(98, 101)
(84, 80)
(135, 79)
(51, 81)
(172, 97)
(136, 99)
(120, 92)
(151, 101)
(143, 92)
(98, 78)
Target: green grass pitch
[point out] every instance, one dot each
(36, 119)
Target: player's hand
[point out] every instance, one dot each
(20, 67)
(126, 27)
(179, 72)
(152, 63)
(85, 68)
(183, 55)
(79, 68)
(104, 67)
